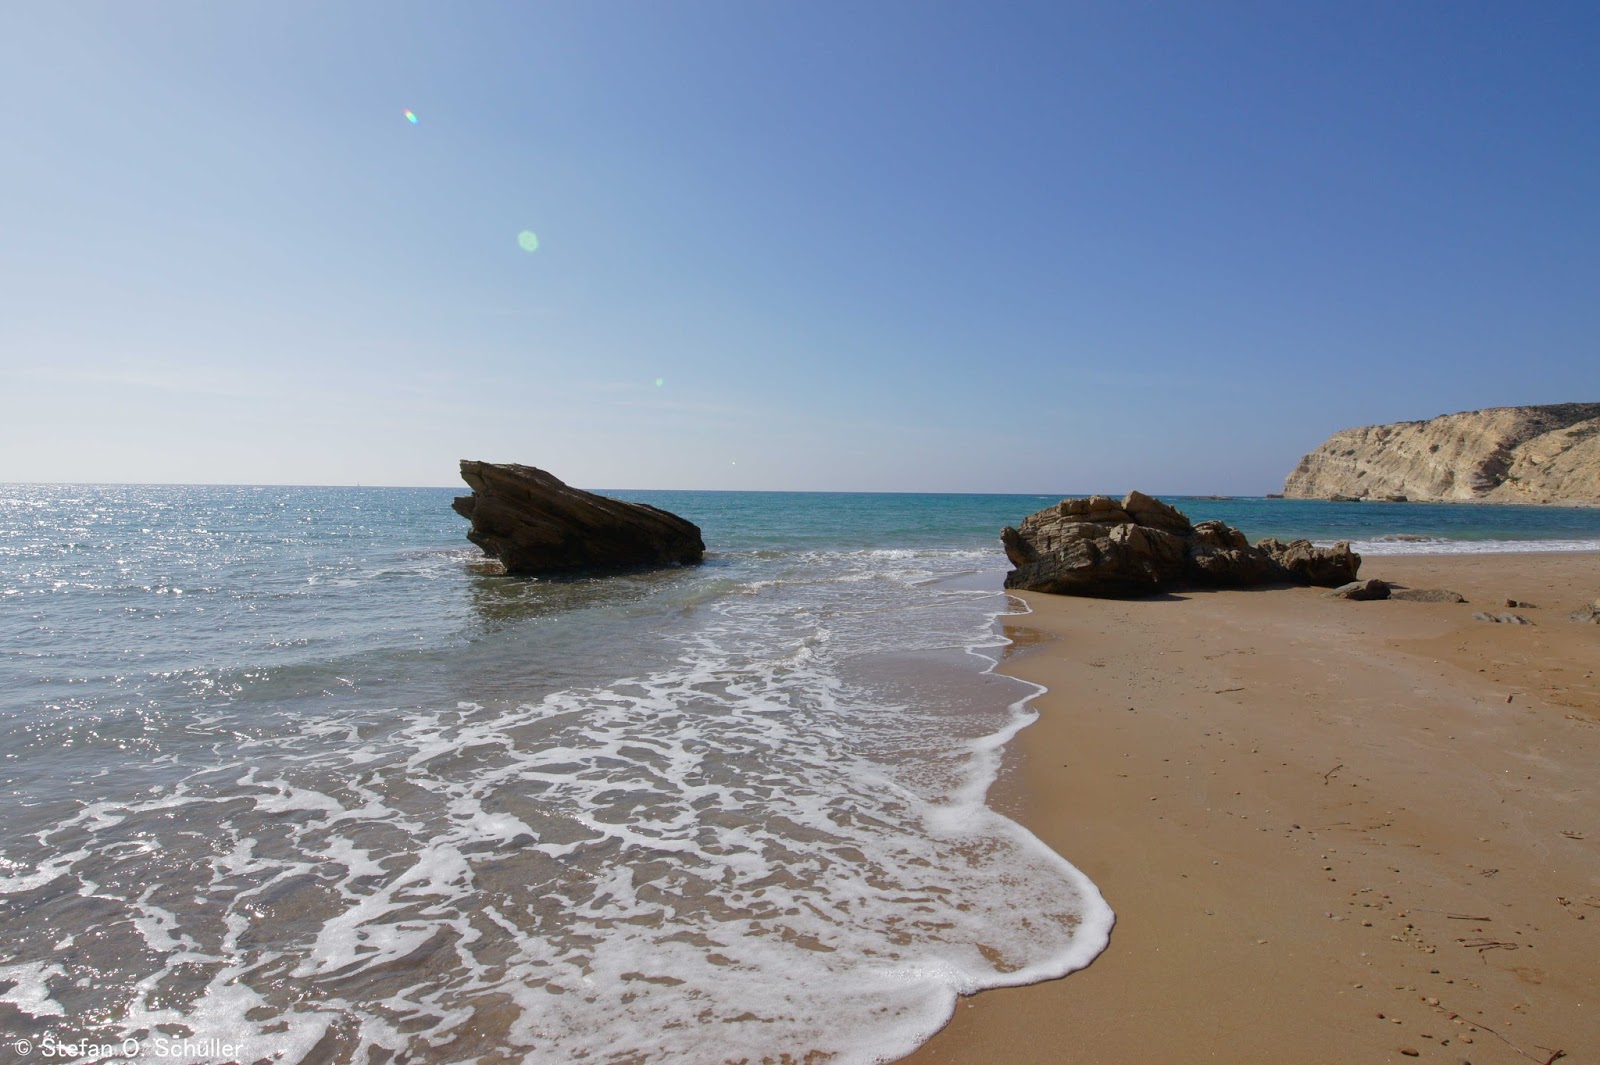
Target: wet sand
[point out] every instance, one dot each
(1332, 831)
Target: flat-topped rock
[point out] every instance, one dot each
(534, 523)
(1426, 595)
(1097, 546)
(1361, 591)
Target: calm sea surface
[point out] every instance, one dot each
(290, 775)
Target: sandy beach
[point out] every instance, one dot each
(1332, 831)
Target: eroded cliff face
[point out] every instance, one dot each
(1548, 454)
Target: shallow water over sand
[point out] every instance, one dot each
(291, 775)
(309, 794)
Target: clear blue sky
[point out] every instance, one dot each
(881, 246)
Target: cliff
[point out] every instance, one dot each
(1548, 454)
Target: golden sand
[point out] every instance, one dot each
(1332, 831)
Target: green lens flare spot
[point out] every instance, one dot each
(660, 381)
(411, 116)
(527, 241)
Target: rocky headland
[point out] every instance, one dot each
(1096, 546)
(534, 523)
(1547, 454)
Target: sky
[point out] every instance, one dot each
(830, 245)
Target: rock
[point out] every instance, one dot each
(1154, 514)
(1337, 497)
(1371, 588)
(1325, 567)
(1500, 454)
(1396, 497)
(1517, 604)
(1502, 619)
(1426, 595)
(533, 523)
(1590, 613)
(1100, 547)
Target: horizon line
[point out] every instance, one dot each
(753, 491)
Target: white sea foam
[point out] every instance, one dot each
(1427, 545)
(775, 842)
(29, 990)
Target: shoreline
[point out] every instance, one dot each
(1331, 830)
(1575, 503)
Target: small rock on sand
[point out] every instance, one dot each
(1362, 590)
(1502, 619)
(1426, 595)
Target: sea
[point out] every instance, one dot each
(294, 775)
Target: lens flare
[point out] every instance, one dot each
(660, 381)
(411, 116)
(527, 240)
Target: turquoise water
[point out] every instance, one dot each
(293, 770)
(1401, 528)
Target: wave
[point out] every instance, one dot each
(772, 840)
(1410, 544)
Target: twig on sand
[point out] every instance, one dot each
(1547, 1061)
(1481, 945)
(1221, 691)
(1331, 772)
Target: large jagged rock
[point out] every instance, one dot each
(1099, 547)
(1548, 454)
(1325, 567)
(533, 523)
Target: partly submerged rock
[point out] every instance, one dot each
(1097, 546)
(533, 523)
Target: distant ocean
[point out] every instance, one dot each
(291, 775)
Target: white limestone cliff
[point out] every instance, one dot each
(1546, 454)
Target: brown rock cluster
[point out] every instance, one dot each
(533, 523)
(1098, 546)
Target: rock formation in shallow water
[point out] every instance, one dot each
(533, 523)
(1548, 454)
(1099, 547)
